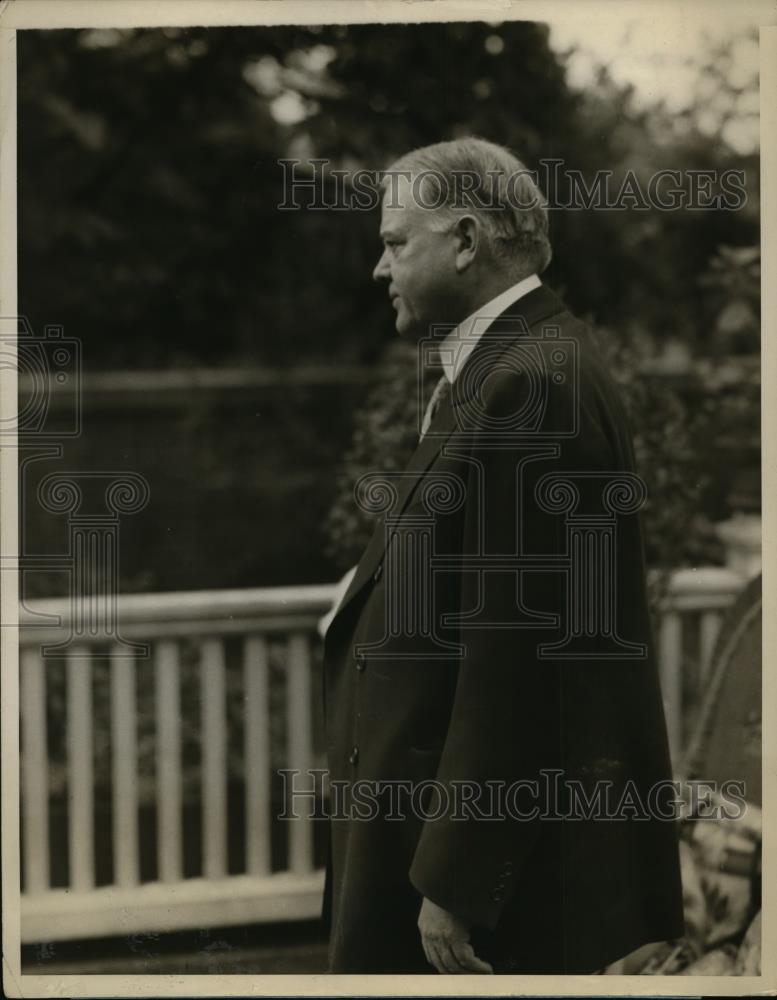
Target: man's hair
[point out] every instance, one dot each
(480, 178)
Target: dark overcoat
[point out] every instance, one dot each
(495, 638)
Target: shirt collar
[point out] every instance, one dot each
(457, 345)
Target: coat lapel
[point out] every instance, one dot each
(519, 318)
(405, 483)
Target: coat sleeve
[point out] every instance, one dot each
(506, 729)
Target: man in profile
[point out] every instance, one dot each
(495, 635)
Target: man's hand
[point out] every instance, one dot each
(446, 942)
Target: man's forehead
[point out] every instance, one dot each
(400, 186)
(393, 219)
(399, 209)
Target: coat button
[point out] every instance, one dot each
(361, 662)
(378, 573)
(354, 758)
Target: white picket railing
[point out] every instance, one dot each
(256, 617)
(701, 595)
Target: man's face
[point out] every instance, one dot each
(419, 265)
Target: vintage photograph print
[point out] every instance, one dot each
(382, 461)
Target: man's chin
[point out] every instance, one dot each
(407, 331)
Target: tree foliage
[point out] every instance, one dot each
(149, 180)
(148, 227)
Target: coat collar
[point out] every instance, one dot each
(516, 320)
(457, 345)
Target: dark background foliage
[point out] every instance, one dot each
(148, 227)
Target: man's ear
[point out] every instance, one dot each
(467, 236)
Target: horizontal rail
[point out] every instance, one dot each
(294, 608)
(701, 589)
(174, 389)
(62, 914)
(141, 380)
(188, 612)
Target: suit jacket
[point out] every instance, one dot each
(496, 631)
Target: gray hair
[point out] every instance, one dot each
(485, 180)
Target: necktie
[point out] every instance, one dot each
(441, 392)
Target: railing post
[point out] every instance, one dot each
(670, 668)
(709, 627)
(35, 771)
(168, 762)
(300, 747)
(124, 770)
(258, 829)
(80, 768)
(214, 759)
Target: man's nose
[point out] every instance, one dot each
(382, 268)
